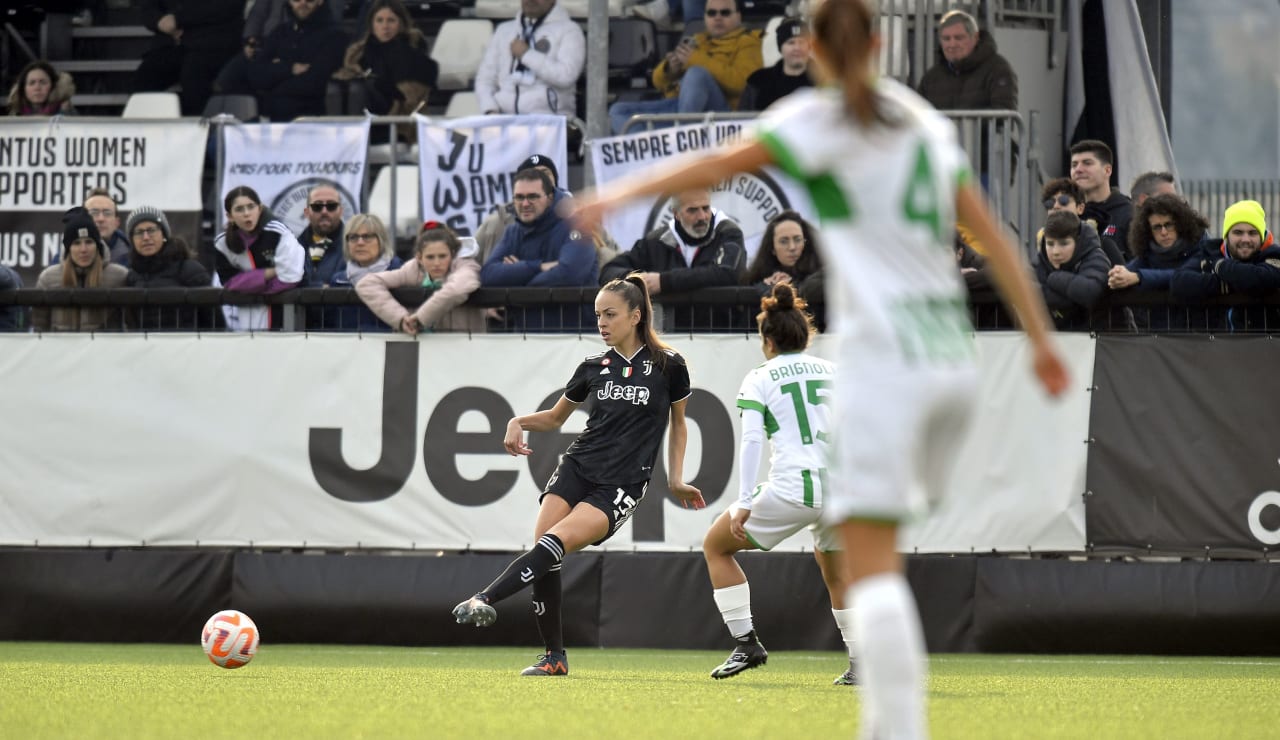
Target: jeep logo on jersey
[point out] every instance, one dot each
(288, 205)
(751, 200)
(639, 395)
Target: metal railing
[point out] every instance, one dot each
(1212, 197)
(1000, 151)
(724, 310)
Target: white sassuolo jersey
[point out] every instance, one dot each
(885, 196)
(793, 391)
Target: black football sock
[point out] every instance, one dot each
(546, 609)
(526, 569)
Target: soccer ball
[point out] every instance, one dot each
(230, 638)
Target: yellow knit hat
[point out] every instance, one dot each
(1245, 212)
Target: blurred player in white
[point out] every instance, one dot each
(888, 180)
(787, 399)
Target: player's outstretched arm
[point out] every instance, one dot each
(539, 421)
(677, 437)
(697, 171)
(1015, 287)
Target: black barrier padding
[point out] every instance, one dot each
(664, 600)
(1180, 608)
(943, 587)
(111, 595)
(1183, 442)
(661, 600)
(400, 600)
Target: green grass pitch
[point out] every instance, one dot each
(63, 690)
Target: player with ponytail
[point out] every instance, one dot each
(638, 384)
(789, 399)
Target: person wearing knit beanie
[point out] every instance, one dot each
(787, 29)
(143, 214)
(78, 224)
(788, 74)
(1245, 212)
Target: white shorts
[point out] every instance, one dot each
(899, 430)
(774, 518)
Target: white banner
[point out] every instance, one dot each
(466, 164)
(48, 164)
(278, 441)
(283, 161)
(751, 200)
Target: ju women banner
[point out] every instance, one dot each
(282, 162)
(466, 164)
(750, 199)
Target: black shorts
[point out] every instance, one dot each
(618, 502)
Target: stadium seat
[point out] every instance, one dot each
(463, 103)
(408, 216)
(769, 43)
(458, 49)
(242, 107)
(152, 105)
(502, 10)
(581, 8)
(633, 47)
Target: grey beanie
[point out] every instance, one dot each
(147, 213)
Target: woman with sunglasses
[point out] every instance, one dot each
(889, 181)
(367, 250)
(443, 263)
(255, 254)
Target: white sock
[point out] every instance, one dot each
(734, 603)
(889, 643)
(844, 620)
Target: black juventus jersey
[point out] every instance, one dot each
(630, 403)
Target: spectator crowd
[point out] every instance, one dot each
(1098, 246)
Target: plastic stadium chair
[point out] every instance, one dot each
(769, 43)
(581, 8)
(242, 107)
(463, 103)
(633, 47)
(408, 216)
(500, 10)
(152, 105)
(458, 49)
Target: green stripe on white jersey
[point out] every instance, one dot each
(793, 393)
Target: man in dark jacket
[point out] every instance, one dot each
(970, 74)
(194, 39)
(1072, 270)
(1245, 260)
(700, 248)
(323, 236)
(541, 249)
(1091, 166)
(291, 71)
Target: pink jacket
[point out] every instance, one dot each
(443, 311)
